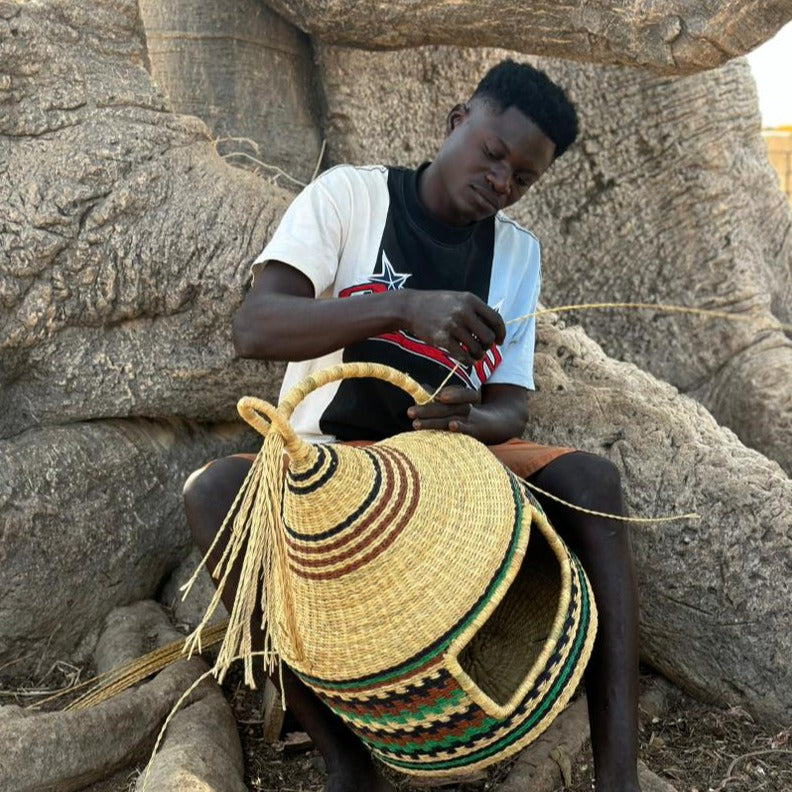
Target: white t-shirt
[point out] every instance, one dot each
(361, 230)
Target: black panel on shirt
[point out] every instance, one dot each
(435, 256)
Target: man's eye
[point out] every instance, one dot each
(488, 152)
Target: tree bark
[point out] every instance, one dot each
(668, 197)
(679, 37)
(127, 242)
(243, 70)
(122, 255)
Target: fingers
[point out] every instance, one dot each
(458, 394)
(449, 411)
(479, 329)
(458, 322)
(470, 344)
(453, 423)
(460, 352)
(495, 324)
(473, 340)
(432, 410)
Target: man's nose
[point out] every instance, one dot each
(499, 177)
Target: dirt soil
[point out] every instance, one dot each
(695, 747)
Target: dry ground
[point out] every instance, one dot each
(697, 748)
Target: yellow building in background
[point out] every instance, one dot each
(779, 149)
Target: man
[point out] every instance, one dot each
(418, 269)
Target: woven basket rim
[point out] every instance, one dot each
(561, 555)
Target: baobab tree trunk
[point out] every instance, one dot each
(667, 197)
(670, 198)
(123, 238)
(675, 37)
(126, 243)
(244, 71)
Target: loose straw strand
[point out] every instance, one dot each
(442, 385)
(660, 307)
(609, 515)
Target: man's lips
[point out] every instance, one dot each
(486, 199)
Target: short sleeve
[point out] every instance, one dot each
(514, 289)
(312, 232)
(517, 366)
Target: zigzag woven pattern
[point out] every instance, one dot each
(414, 584)
(419, 719)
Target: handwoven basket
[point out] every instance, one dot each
(414, 584)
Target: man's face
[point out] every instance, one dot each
(489, 160)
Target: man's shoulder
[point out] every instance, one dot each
(353, 177)
(510, 231)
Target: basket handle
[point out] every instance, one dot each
(251, 409)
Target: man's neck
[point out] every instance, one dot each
(433, 197)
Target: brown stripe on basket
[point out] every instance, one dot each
(423, 693)
(387, 540)
(386, 498)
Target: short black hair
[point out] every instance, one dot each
(533, 93)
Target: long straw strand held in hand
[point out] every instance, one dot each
(638, 306)
(659, 307)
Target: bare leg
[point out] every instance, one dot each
(603, 547)
(208, 495)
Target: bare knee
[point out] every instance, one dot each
(585, 480)
(208, 495)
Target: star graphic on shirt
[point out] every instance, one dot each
(388, 276)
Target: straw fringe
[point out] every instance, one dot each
(255, 534)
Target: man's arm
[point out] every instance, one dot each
(279, 319)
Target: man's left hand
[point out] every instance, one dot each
(454, 409)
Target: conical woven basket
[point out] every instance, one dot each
(414, 584)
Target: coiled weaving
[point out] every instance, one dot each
(414, 584)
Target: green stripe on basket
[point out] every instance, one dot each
(426, 657)
(456, 697)
(430, 745)
(469, 758)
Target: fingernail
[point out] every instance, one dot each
(416, 424)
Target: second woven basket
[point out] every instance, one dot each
(414, 584)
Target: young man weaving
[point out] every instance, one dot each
(419, 270)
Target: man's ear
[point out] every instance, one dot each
(458, 114)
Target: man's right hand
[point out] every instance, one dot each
(459, 322)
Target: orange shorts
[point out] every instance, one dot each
(526, 458)
(521, 456)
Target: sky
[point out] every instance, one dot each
(772, 68)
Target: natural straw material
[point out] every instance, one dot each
(414, 584)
